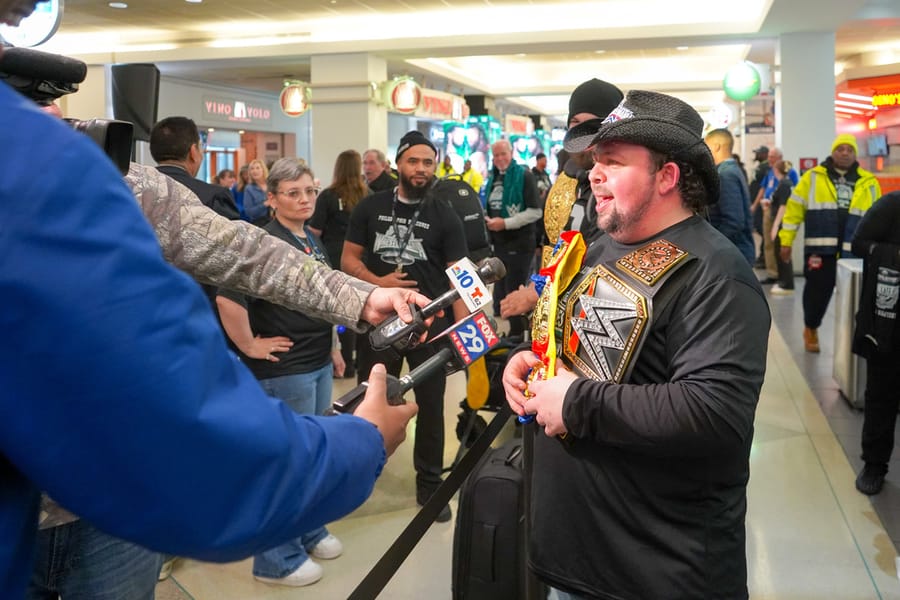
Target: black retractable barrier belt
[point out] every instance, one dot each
(385, 568)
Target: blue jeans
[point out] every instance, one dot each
(78, 562)
(308, 394)
(283, 560)
(556, 594)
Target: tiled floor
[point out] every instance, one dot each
(810, 534)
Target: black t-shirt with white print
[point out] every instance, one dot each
(380, 224)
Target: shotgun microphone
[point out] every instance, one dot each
(41, 76)
(456, 348)
(469, 283)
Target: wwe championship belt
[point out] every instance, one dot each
(558, 274)
(604, 315)
(557, 210)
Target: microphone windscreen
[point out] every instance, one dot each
(491, 270)
(44, 66)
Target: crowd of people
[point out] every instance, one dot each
(646, 498)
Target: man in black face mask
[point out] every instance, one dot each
(406, 238)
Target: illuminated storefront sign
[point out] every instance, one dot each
(518, 125)
(233, 110)
(294, 98)
(889, 99)
(442, 106)
(402, 95)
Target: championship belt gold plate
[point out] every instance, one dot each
(557, 210)
(605, 314)
(604, 322)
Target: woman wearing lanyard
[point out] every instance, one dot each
(293, 356)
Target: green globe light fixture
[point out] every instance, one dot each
(741, 82)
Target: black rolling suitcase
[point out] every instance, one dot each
(489, 542)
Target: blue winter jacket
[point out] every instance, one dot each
(119, 397)
(731, 214)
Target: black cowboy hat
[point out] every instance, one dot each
(658, 122)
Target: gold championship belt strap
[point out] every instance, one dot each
(557, 274)
(603, 317)
(557, 210)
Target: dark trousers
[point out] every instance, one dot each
(518, 269)
(882, 400)
(428, 449)
(818, 288)
(785, 269)
(348, 349)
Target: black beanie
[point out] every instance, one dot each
(413, 138)
(595, 97)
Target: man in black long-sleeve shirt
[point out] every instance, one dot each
(647, 497)
(877, 335)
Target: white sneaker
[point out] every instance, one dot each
(306, 574)
(166, 570)
(330, 547)
(777, 290)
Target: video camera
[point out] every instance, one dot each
(45, 77)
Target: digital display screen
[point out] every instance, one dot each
(876, 145)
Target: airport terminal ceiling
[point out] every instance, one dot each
(527, 54)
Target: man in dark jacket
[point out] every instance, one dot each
(761, 156)
(877, 335)
(731, 214)
(175, 145)
(375, 169)
(647, 495)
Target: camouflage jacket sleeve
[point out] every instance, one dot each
(241, 256)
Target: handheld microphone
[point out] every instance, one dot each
(457, 347)
(469, 283)
(41, 76)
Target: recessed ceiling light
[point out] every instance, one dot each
(193, 1)
(599, 51)
(118, 5)
(682, 47)
(211, 129)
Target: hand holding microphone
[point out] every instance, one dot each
(390, 418)
(456, 348)
(469, 283)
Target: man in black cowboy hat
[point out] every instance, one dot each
(665, 331)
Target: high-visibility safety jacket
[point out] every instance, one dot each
(814, 200)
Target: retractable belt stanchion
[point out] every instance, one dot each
(384, 569)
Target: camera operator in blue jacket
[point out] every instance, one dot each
(120, 397)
